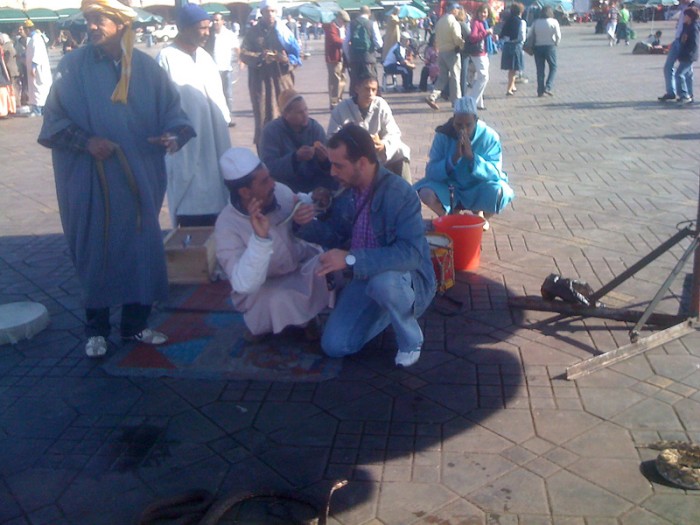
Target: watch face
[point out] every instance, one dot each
(350, 259)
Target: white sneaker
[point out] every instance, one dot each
(96, 346)
(406, 359)
(148, 337)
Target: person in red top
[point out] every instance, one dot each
(335, 36)
(476, 45)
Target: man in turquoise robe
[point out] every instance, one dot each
(465, 156)
(109, 119)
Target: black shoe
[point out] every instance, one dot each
(666, 97)
(232, 124)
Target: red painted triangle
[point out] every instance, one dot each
(146, 356)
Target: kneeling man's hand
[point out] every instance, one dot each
(331, 261)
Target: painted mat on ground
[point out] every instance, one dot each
(206, 342)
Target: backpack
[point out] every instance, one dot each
(360, 40)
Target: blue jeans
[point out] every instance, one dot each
(546, 54)
(684, 79)
(669, 71)
(366, 307)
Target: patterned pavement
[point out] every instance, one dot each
(484, 429)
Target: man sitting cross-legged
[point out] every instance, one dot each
(373, 113)
(293, 146)
(273, 274)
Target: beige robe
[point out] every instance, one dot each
(274, 282)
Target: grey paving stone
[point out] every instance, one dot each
(674, 507)
(464, 473)
(516, 492)
(403, 502)
(600, 402)
(573, 495)
(648, 414)
(459, 511)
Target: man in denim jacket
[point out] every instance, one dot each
(382, 243)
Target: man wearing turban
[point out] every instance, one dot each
(465, 166)
(108, 136)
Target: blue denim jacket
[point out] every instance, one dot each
(395, 215)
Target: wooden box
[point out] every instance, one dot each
(190, 254)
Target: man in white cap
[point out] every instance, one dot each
(38, 69)
(108, 136)
(399, 62)
(465, 156)
(271, 53)
(273, 274)
(196, 191)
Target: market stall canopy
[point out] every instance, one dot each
(11, 16)
(214, 7)
(42, 15)
(323, 12)
(143, 17)
(64, 13)
(408, 11)
(356, 5)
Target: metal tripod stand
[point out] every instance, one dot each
(637, 344)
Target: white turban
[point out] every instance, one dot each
(465, 105)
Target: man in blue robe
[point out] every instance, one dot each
(110, 116)
(465, 156)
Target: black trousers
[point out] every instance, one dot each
(134, 320)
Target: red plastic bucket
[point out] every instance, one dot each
(465, 232)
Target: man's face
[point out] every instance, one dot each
(102, 30)
(366, 93)
(297, 114)
(465, 122)
(21, 31)
(269, 16)
(262, 188)
(346, 172)
(217, 23)
(197, 34)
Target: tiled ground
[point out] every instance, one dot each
(484, 429)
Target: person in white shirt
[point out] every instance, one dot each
(223, 45)
(196, 191)
(399, 61)
(38, 69)
(546, 35)
(273, 274)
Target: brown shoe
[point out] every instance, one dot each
(431, 103)
(312, 331)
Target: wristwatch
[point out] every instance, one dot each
(350, 260)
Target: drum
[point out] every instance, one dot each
(441, 253)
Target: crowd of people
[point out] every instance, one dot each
(319, 215)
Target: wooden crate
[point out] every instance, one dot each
(190, 254)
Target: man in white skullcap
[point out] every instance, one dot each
(108, 137)
(273, 274)
(465, 156)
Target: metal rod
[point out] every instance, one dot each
(634, 333)
(695, 297)
(644, 261)
(615, 356)
(568, 310)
